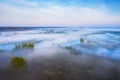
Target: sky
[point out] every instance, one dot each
(59, 13)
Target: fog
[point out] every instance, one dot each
(104, 42)
(58, 54)
(63, 64)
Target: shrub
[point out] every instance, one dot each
(81, 40)
(17, 46)
(89, 42)
(30, 45)
(17, 63)
(24, 45)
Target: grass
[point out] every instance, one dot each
(17, 63)
(24, 45)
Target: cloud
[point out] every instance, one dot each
(52, 14)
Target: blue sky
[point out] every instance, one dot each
(59, 12)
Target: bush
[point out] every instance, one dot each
(17, 46)
(24, 45)
(89, 42)
(17, 63)
(81, 40)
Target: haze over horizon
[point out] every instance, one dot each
(59, 13)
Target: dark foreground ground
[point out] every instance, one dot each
(64, 65)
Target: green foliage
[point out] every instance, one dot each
(17, 63)
(81, 40)
(24, 45)
(17, 46)
(27, 45)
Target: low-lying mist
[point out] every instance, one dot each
(63, 64)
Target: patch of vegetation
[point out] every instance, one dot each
(89, 42)
(81, 40)
(17, 63)
(17, 46)
(27, 45)
(24, 45)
